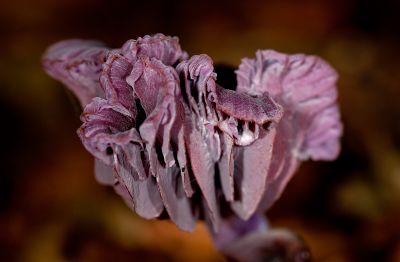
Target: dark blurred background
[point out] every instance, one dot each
(51, 207)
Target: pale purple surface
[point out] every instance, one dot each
(310, 128)
(77, 63)
(164, 131)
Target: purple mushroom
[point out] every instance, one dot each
(174, 142)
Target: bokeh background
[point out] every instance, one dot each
(52, 209)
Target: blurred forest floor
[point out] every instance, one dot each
(51, 207)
